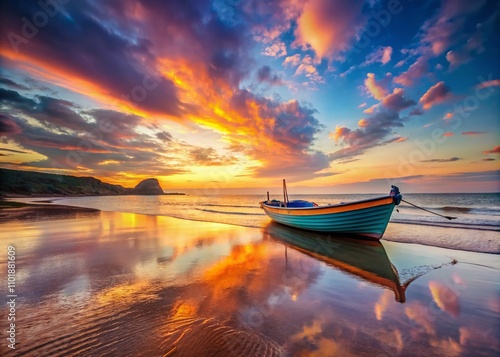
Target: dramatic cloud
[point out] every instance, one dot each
(101, 142)
(451, 159)
(328, 27)
(436, 94)
(377, 90)
(67, 48)
(210, 157)
(371, 132)
(101, 83)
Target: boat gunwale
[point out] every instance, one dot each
(329, 206)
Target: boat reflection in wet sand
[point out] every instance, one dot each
(366, 259)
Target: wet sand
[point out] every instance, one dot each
(106, 283)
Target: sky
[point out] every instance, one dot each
(236, 95)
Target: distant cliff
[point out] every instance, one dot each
(29, 183)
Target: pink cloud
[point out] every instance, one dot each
(277, 49)
(386, 57)
(445, 29)
(448, 116)
(399, 64)
(416, 71)
(328, 27)
(293, 61)
(492, 83)
(472, 47)
(362, 105)
(376, 89)
(381, 54)
(397, 100)
(495, 150)
(436, 94)
(448, 134)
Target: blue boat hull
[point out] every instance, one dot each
(364, 218)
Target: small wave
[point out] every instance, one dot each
(219, 205)
(455, 209)
(478, 227)
(236, 213)
(460, 209)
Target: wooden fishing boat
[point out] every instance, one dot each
(364, 259)
(366, 218)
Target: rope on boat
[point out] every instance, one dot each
(437, 214)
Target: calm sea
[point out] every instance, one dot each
(476, 227)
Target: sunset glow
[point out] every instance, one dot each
(233, 96)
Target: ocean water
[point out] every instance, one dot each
(476, 227)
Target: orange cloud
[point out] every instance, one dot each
(362, 123)
(376, 89)
(371, 109)
(328, 26)
(448, 134)
(445, 298)
(436, 94)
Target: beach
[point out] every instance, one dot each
(110, 283)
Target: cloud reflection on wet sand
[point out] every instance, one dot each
(135, 284)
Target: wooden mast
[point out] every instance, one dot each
(285, 193)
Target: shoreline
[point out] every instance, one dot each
(46, 209)
(20, 211)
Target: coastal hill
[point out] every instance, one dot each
(29, 183)
(149, 186)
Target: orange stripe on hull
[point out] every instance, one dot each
(314, 211)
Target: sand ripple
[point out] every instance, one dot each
(207, 337)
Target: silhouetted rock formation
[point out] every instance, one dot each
(29, 183)
(150, 186)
